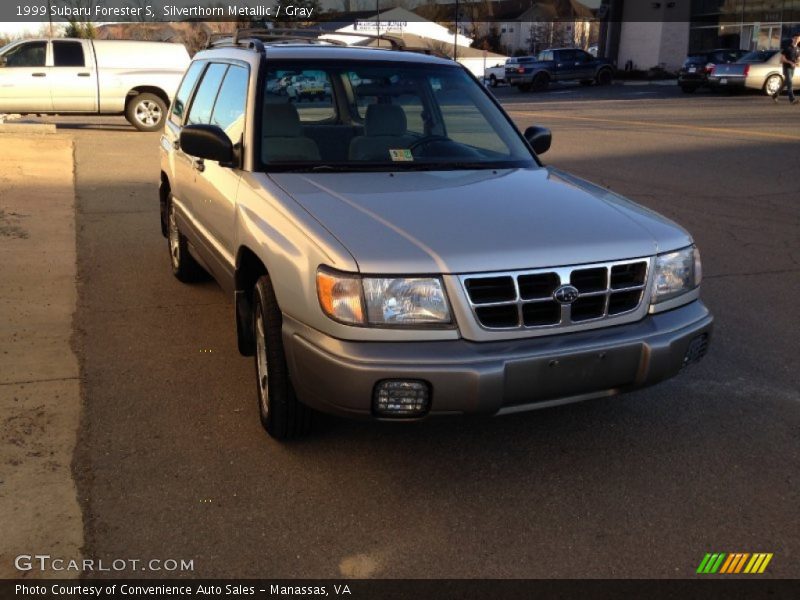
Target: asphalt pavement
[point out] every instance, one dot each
(172, 461)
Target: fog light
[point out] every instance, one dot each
(401, 398)
(697, 349)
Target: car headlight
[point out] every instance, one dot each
(383, 301)
(676, 273)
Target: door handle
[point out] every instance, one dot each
(199, 164)
(84, 74)
(176, 144)
(38, 74)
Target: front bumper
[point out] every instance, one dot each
(339, 377)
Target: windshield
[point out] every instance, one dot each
(368, 116)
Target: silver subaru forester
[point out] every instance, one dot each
(395, 248)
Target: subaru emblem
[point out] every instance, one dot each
(566, 294)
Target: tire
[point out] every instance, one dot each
(689, 89)
(146, 112)
(282, 415)
(773, 84)
(493, 81)
(540, 82)
(605, 77)
(184, 267)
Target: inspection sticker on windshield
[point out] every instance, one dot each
(401, 155)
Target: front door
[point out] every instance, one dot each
(24, 85)
(206, 189)
(73, 79)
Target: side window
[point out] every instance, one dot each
(229, 110)
(206, 95)
(68, 54)
(32, 54)
(182, 97)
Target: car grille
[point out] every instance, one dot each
(526, 299)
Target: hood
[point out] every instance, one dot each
(477, 221)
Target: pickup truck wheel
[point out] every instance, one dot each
(540, 82)
(282, 414)
(605, 77)
(492, 81)
(184, 267)
(146, 112)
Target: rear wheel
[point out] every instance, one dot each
(541, 81)
(146, 112)
(605, 77)
(492, 81)
(282, 414)
(773, 84)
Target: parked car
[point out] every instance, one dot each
(403, 252)
(97, 77)
(698, 65)
(758, 70)
(495, 75)
(559, 64)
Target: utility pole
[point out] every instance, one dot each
(455, 36)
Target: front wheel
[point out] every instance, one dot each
(146, 112)
(282, 414)
(605, 77)
(184, 267)
(773, 85)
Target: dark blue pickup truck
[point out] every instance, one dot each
(559, 64)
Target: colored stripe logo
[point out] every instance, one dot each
(734, 562)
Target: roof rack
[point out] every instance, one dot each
(246, 37)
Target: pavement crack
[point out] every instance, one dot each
(46, 380)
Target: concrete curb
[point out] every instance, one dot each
(35, 128)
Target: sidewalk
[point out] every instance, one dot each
(39, 373)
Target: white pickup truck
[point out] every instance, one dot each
(71, 76)
(495, 75)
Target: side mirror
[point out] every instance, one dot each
(207, 142)
(539, 138)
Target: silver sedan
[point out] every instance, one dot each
(757, 70)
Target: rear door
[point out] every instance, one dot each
(73, 77)
(23, 79)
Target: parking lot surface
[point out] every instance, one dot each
(172, 462)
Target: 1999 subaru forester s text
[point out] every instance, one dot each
(396, 249)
